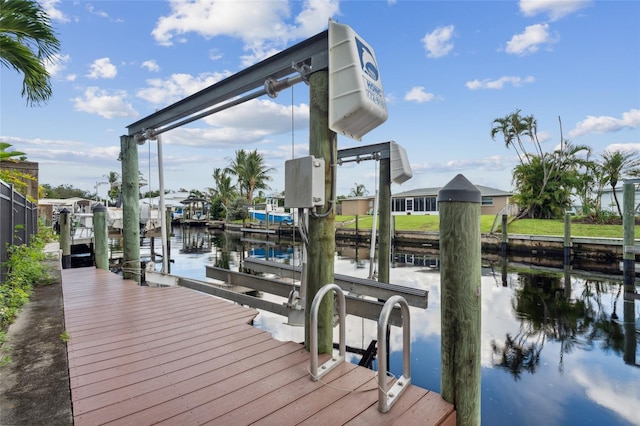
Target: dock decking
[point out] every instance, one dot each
(141, 355)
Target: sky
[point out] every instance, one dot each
(448, 69)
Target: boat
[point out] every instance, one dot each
(272, 213)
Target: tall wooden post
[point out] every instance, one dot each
(460, 280)
(504, 243)
(101, 236)
(65, 237)
(130, 209)
(384, 205)
(567, 239)
(628, 240)
(322, 241)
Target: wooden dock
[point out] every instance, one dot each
(141, 355)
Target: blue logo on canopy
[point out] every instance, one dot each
(367, 63)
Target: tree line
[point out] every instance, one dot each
(546, 184)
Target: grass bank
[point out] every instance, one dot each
(431, 223)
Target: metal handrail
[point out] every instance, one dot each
(386, 399)
(334, 361)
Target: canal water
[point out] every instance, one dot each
(557, 348)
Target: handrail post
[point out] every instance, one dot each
(317, 373)
(386, 399)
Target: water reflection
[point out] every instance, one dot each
(555, 343)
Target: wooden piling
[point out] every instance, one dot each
(567, 239)
(320, 257)
(65, 237)
(101, 237)
(130, 209)
(460, 280)
(504, 244)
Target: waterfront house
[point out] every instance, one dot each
(424, 201)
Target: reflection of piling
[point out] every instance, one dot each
(630, 335)
(628, 225)
(65, 238)
(101, 237)
(460, 278)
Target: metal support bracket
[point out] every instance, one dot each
(386, 399)
(334, 361)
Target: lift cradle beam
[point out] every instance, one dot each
(312, 53)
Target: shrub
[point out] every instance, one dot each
(24, 270)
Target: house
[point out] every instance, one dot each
(424, 201)
(357, 206)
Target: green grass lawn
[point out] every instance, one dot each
(431, 223)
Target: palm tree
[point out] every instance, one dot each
(224, 190)
(114, 186)
(251, 171)
(236, 169)
(255, 174)
(616, 166)
(358, 190)
(27, 42)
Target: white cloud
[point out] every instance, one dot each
(499, 83)
(607, 124)
(438, 43)
(102, 68)
(261, 25)
(56, 63)
(262, 116)
(177, 86)
(530, 40)
(54, 14)
(151, 65)
(104, 104)
(553, 8)
(418, 94)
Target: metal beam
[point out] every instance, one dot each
(364, 308)
(382, 148)
(382, 291)
(313, 51)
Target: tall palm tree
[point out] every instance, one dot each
(255, 174)
(27, 42)
(616, 166)
(251, 171)
(236, 169)
(358, 190)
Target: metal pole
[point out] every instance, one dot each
(628, 225)
(460, 278)
(162, 211)
(374, 229)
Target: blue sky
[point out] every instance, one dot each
(448, 69)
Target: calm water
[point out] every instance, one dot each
(556, 349)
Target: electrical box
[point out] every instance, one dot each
(304, 182)
(399, 164)
(356, 99)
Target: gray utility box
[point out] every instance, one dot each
(304, 182)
